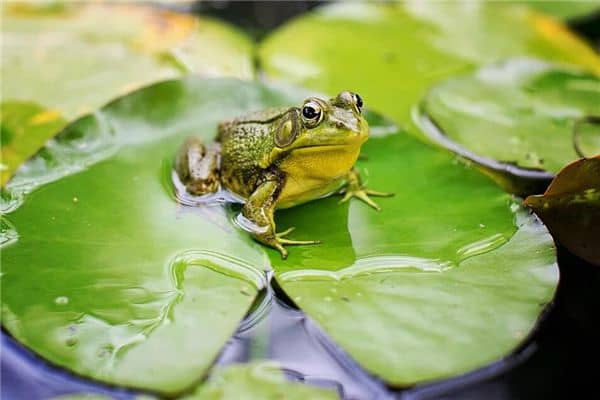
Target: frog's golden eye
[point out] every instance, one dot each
(312, 114)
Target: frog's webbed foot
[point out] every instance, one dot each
(259, 210)
(354, 188)
(363, 194)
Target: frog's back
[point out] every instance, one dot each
(244, 141)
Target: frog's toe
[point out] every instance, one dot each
(284, 233)
(282, 250)
(289, 242)
(363, 195)
(298, 242)
(378, 194)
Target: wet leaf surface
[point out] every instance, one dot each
(448, 277)
(257, 381)
(570, 208)
(522, 112)
(109, 270)
(64, 58)
(392, 53)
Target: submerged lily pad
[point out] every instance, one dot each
(109, 271)
(256, 381)
(65, 57)
(524, 113)
(391, 53)
(450, 275)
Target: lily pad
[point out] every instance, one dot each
(64, 58)
(449, 277)
(108, 270)
(565, 9)
(25, 127)
(527, 114)
(571, 208)
(256, 381)
(391, 53)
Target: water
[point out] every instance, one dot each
(275, 331)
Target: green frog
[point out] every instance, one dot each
(279, 158)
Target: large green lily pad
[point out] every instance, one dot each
(391, 53)
(256, 381)
(523, 112)
(109, 276)
(64, 57)
(448, 277)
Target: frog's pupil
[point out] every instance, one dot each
(309, 112)
(359, 101)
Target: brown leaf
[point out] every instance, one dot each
(570, 208)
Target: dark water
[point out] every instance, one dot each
(552, 365)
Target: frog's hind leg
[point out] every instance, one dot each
(198, 166)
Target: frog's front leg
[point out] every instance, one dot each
(354, 188)
(258, 213)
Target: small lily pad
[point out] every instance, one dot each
(528, 115)
(570, 208)
(256, 381)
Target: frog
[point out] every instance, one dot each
(279, 158)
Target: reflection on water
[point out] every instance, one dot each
(182, 196)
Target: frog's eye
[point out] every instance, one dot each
(312, 114)
(358, 101)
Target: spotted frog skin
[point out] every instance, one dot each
(279, 158)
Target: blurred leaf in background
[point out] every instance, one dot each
(72, 58)
(565, 9)
(391, 53)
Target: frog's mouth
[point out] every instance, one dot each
(337, 137)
